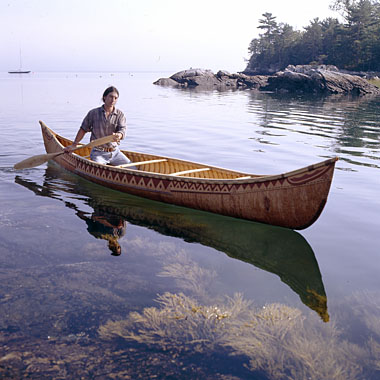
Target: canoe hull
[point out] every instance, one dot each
(293, 200)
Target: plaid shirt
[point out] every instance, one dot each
(100, 126)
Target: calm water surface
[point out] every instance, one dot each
(192, 295)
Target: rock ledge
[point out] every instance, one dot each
(320, 79)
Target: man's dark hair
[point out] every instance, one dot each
(109, 90)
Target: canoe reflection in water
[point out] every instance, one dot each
(281, 251)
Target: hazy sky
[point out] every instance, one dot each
(129, 35)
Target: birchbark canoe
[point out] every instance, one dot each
(293, 200)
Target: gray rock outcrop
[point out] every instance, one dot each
(321, 79)
(206, 79)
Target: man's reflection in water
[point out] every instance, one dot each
(105, 226)
(101, 224)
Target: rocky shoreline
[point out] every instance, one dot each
(319, 79)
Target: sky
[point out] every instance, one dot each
(140, 35)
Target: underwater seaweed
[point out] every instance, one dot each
(188, 275)
(280, 341)
(180, 324)
(277, 340)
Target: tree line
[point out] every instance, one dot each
(351, 44)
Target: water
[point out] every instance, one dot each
(192, 295)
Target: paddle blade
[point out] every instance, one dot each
(34, 161)
(40, 159)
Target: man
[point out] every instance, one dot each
(104, 121)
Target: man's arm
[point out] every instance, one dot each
(122, 126)
(77, 139)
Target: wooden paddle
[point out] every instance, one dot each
(40, 159)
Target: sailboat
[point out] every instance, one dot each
(20, 70)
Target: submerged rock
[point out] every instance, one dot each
(322, 79)
(167, 82)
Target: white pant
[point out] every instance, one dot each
(113, 158)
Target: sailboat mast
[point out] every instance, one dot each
(20, 70)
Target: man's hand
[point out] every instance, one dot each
(117, 136)
(70, 148)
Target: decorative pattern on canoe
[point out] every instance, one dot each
(206, 188)
(165, 185)
(308, 177)
(116, 177)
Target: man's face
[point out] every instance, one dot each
(111, 99)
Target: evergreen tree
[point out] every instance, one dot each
(353, 44)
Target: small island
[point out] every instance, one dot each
(327, 57)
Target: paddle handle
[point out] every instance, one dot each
(93, 143)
